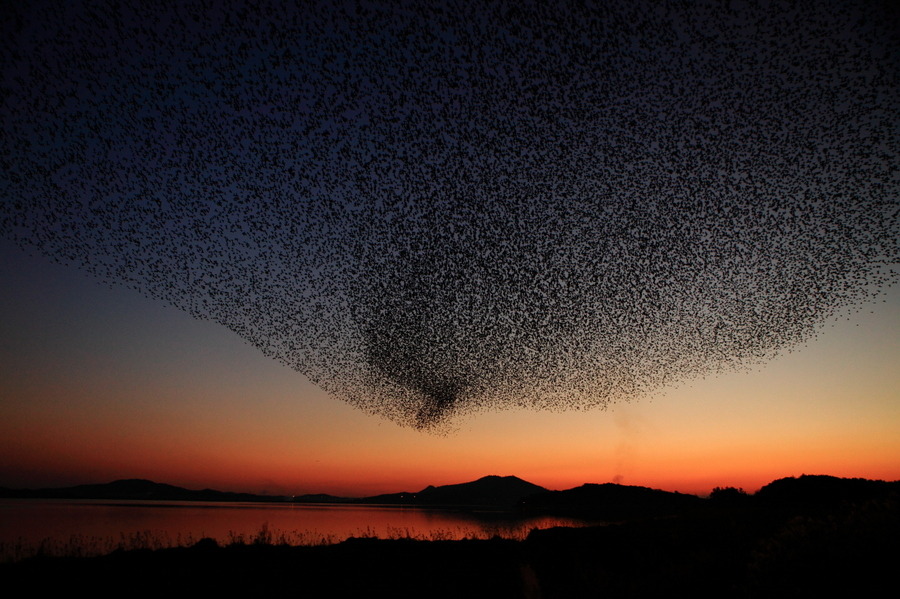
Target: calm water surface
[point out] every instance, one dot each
(85, 527)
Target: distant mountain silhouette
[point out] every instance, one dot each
(494, 491)
(402, 498)
(136, 489)
(610, 501)
(504, 491)
(320, 498)
(822, 489)
(488, 491)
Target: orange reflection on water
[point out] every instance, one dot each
(91, 527)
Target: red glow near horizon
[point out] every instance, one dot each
(158, 395)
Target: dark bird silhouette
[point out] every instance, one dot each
(431, 211)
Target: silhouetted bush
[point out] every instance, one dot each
(729, 496)
(852, 548)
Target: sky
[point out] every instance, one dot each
(100, 383)
(365, 247)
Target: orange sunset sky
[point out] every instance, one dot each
(98, 384)
(448, 208)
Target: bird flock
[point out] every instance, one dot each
(433, 209)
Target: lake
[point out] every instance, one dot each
(91, 527)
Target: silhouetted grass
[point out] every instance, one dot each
(782, 544)
(742, 550)
(91, 546)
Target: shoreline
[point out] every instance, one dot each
(733, 551)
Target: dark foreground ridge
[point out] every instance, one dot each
(795, 537)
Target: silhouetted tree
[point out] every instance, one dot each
(728, 495)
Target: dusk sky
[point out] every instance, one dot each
(101, 383)
(366, 247)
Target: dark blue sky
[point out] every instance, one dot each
(431, 209)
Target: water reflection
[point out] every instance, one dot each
(88, 527)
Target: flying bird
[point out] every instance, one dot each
(434, 209)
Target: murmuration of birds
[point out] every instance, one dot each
(436, 209)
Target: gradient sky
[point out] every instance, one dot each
(99, 383)
(403, 201)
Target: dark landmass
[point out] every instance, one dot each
(610, 502)
(319, 498)
(497, 492)
(489, 491)
(807, 536)
(134, 489)
(822, 490)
